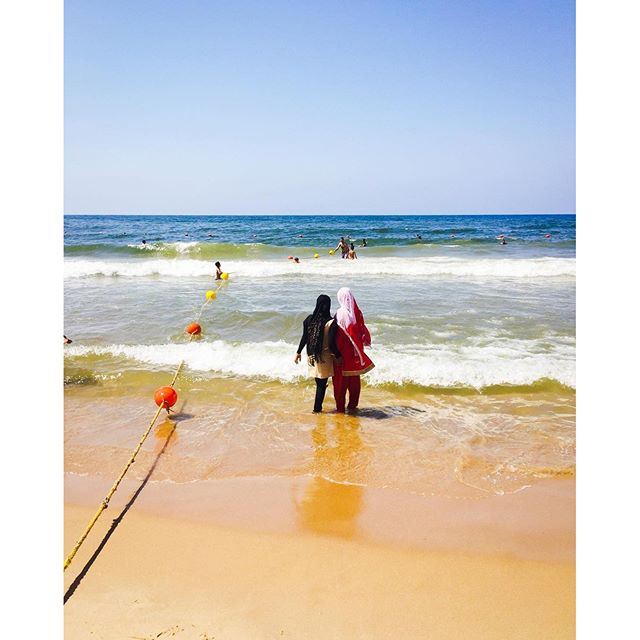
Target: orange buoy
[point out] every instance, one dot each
(193, 329)
(165, 397)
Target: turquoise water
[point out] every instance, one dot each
(452, 310)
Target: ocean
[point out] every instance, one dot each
(473, 341)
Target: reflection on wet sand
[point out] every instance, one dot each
(165, 432)
(329, 506)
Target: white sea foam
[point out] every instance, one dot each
(388, 266)
(479, 363)
(143, 247)
(177, 247)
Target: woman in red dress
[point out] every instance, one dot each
(351, 338)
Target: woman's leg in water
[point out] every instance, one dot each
(353, 384)
(339, 389)
(321, 388)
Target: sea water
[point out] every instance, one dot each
(473, 340)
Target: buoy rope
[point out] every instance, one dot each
(105, 503)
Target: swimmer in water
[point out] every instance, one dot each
(67, 340)
(351, 254)
(296, 260)
(364, 242)
(503, 240)
(218, 271)
(418, 236)
(144, 242)
(342, 245)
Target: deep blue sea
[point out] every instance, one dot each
(90, 235)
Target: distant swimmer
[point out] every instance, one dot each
(503, 240)
(144, 242)
(209, 235)
(296, 260)
(364, 242)
(67, 340)
(218, 271)
(418, 236)
(300, 235)
(344, 248)
(351, 255)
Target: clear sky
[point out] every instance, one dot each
(452, 106)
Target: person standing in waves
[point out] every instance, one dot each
(351, 339)
(319, 335)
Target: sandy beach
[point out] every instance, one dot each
(258, 558)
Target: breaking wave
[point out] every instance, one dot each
(479, 365)
(387, 266)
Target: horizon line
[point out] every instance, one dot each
(293, 215)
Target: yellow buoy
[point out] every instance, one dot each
(315, 255)
(210, 295)
(224, 275)
(331, 252)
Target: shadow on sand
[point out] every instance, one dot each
(114, 525)
(383, 413)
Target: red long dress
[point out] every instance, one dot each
(355, 362)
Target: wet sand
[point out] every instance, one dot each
(404, 522)
(260, 558)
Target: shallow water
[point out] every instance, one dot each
(424, 444)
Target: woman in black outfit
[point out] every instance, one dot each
(319, 335)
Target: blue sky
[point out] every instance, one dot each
(319, 107)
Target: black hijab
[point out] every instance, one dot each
(315, 326)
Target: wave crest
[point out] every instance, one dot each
(404, 267)
(477, 366)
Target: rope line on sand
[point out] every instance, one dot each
(105, 503)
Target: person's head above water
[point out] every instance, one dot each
(352, 246)
(218, 264)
